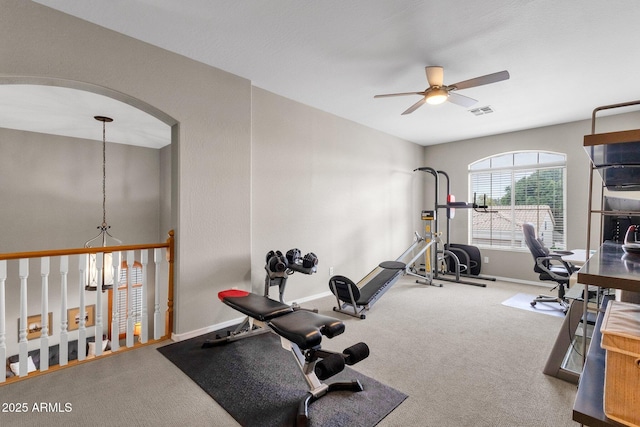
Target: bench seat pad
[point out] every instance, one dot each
(253, 305)
(305, 328)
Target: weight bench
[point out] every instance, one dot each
(301, 333)
(355, 299)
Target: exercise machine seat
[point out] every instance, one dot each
(253, 305)
(305, 329)
(342, 285)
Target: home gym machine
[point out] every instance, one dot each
(355, 299)
(300, 330)
(447, 259)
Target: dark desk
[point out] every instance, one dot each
(612, 267)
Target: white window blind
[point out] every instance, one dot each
(123, 298)
(518, 187)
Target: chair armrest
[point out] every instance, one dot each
(561, 253)
(570, 268)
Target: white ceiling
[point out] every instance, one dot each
(70, 112)
(565, 57)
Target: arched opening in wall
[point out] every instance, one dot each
(65, 110)
(62, 107)
(52, 141)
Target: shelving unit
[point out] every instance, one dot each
(616, 157)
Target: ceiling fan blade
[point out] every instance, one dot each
(463, 101)
(399, 94)
(483, 80)
(435, 75)
(415, 106)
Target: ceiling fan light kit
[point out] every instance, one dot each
(437, 96)
(437, 92)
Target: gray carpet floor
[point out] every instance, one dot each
(462, 357)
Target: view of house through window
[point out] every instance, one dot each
(123, 296)
(518, 187)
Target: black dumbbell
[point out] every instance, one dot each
(310, 260)
(293, 255)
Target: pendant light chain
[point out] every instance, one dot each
(104, 121)
(104, 174)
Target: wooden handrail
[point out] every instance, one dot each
(77, 251)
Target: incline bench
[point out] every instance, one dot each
(354, 299)
(300, 331)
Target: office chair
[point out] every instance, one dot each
(549, 265)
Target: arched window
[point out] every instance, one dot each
(518, 187)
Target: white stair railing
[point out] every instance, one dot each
(61, 330)
(115, 313)
(144, 328)
(64, 324)
(130, 299)
(23, 273)
(158, 327)
(97, 336)
(82, 329)
(44, 315)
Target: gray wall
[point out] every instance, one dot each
(454, 158)
(329, 186)
(52, 188)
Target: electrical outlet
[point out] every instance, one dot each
(330, 271)
(486, 260)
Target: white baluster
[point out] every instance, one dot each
(3, 328)
(130, 312)
(157, 317)
(115, 314)
(44, 333)
(23, 273)
(82, 333)
(63, 357)
(144, 327)
(98, 312)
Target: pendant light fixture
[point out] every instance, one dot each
(103, 237)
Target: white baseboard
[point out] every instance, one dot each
(197, 332)
(311, 298)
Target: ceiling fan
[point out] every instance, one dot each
(437, 92)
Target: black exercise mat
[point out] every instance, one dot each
(259, 384)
